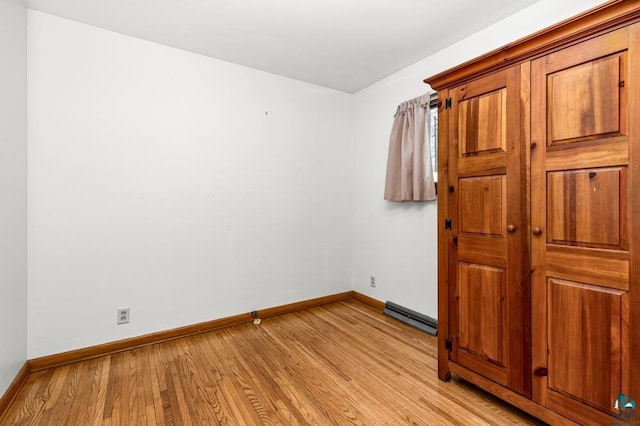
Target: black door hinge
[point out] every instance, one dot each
(447, 224)
(447, 103)
(448, 345)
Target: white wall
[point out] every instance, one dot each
(184, 187)
(191, 189)
(394, 241)
(13, 190)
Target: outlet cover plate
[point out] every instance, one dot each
(123, 315)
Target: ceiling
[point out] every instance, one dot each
(343, 44)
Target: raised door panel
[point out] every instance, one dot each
(585, 335)
(584, 100)
(482, 205)
(481, 291)
(587, 207)
(488, 318)
(582, 245)
(482, 122)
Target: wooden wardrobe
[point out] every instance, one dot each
(539, 217)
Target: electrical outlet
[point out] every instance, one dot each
(123, 315)
(372, 280)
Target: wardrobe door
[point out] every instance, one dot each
(489, 290)
(582, 147)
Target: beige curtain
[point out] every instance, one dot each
(409, 169)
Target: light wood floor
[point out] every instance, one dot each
(343, 363)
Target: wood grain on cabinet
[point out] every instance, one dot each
(486, 273)
(582, 211)
(539, 147)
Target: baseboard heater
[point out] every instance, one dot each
(412, 318)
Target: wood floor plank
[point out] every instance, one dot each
(133, 390)
(195, 382)
(232, 389)
(78, 393)
(271, 360)
(342, 363)
(260, 378)
(325, 386)
(210, 378)
(300, 400)
(32, 398)
(345, 368)
(95, 412)
(372, 360)
(63, 394)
